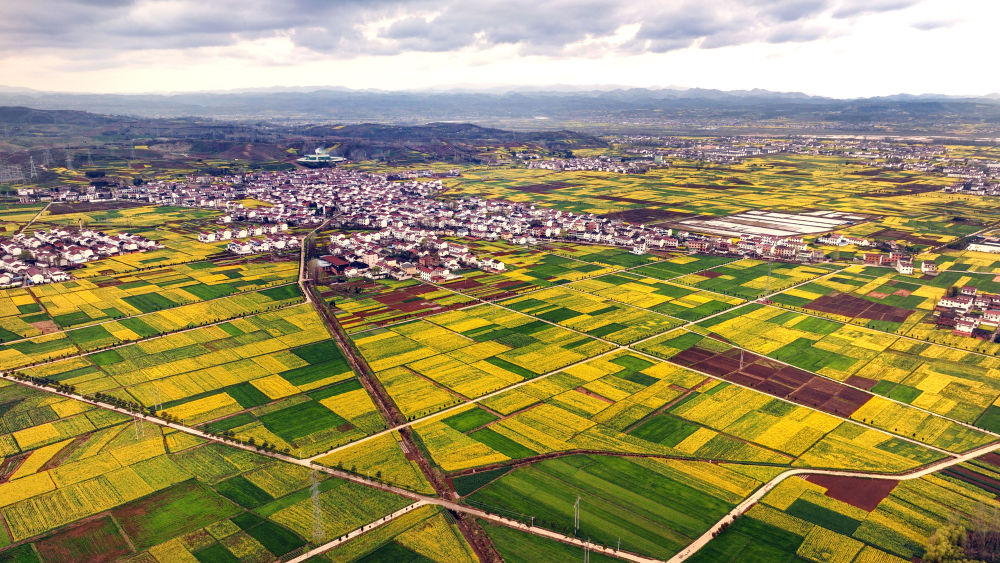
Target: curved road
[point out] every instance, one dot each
(748, 503)
(418, 498)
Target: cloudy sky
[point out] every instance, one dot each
(840, 48)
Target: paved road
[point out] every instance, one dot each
(35, 218)
(348, 476)
(357, 532)
(757, 495)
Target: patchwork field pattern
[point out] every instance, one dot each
(439, 361)
(623, 403)
(79, 483)
(392, 301)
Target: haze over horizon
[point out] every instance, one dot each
(833, 48)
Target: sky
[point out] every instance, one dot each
(837, 48)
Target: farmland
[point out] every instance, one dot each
(152, 492)
(188, 404)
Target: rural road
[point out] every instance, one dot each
(357, 532)
(759, 493)
(418, 498)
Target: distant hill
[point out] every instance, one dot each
(24, 129)
(626, 109)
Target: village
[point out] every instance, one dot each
(406, 211)
(967, 312)
(600, 164)
(40, 257)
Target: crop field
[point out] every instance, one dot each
(681, 265)
(784, 182)
(128, 217)
(623, 403)
(592, 315)
(661, 509)
(751, 279)
(920, 230)
(520, 547)
(21, 316)
(392, 301)
(110, 333)
(545, 271)
(663, 297)
(952, 383)
(844, 519)
(100, 488)
(98, 298)
(384, 458)
(657, 391)
(438, 361)
(425, 534)
(274, 377)
(884, 301)
(13, 217)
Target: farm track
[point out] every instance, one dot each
(616, 349)
(631, 348)
(471, 530)
(35, 218)
(452, 506)
(751, 500)
(513, 463)
(455, 507)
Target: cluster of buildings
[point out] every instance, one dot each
(979, 186)
(400, 210)
(261, 245)
(969, 313)
(241, 231)
(901, 261)
(837, 239)
(791, 249)
(401, 253)
(601, 164)
(989, 244)
(720, 150)
(39, 257)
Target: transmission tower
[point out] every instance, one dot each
(576, 516)
(132, 155)
(46, 157)
(90, 162)
(69, 160)
(318, 531)
(31, 167)
(768, 277)
(10, 173)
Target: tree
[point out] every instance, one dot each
(945, 545)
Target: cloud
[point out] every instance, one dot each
(851, 8)
(351, 28)
(928, 25)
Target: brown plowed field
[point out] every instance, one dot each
(773, 378)
(856, 307)
(856, 491)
